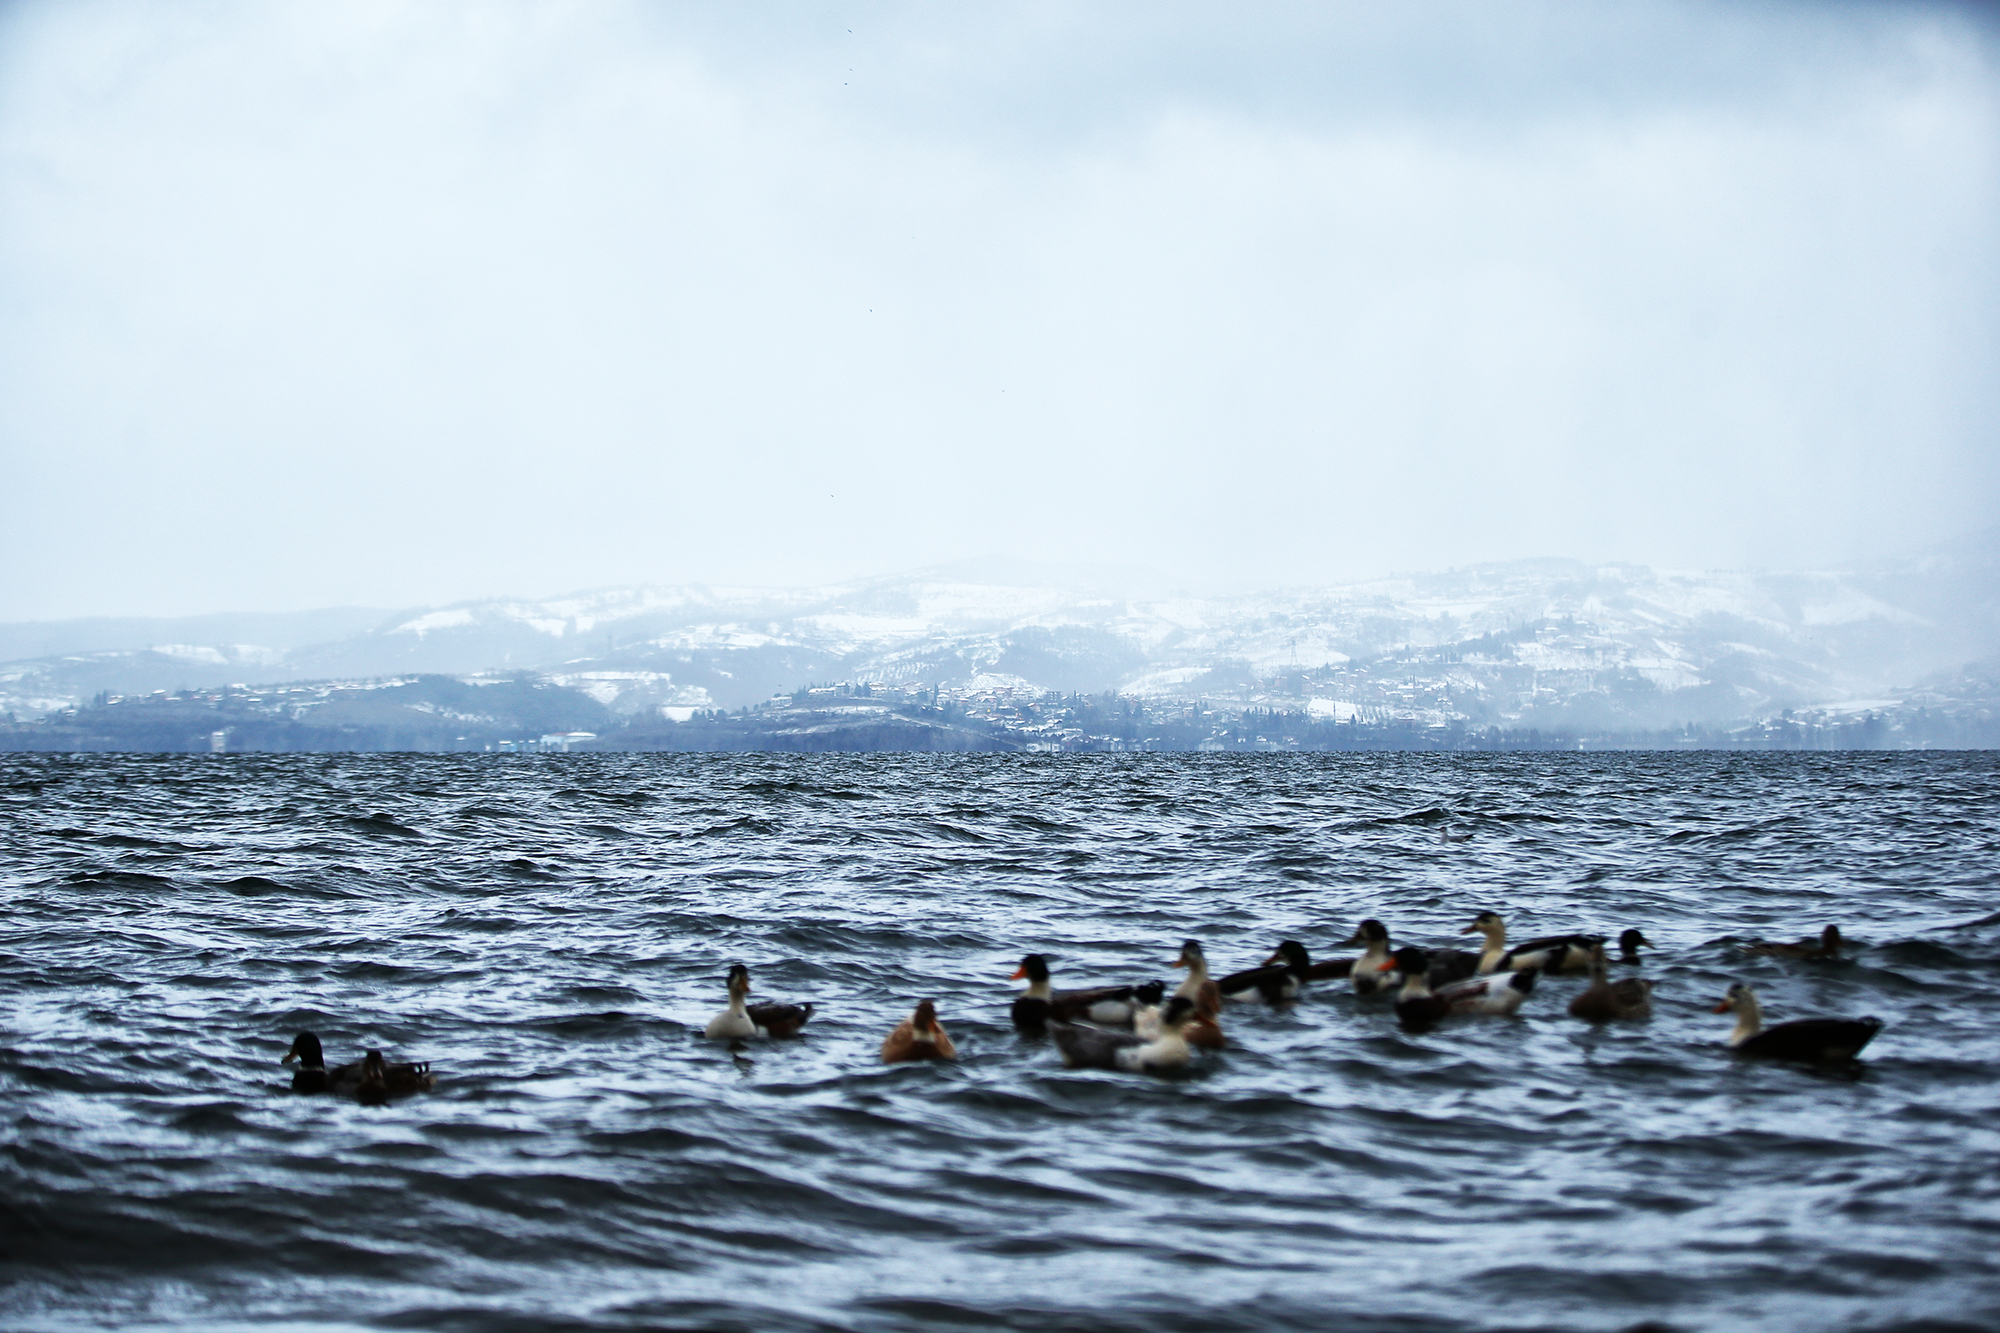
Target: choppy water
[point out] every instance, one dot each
(551, 933)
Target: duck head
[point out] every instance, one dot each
(1178, 1011)
(1487, 924)
(305, 1049)
(1291, 954)
(1739, 995)
(1034, 967)
(1829, 939)
(1149, 993)
(925, 1019)
(1190, 954)
(1630, 941)
(739, 979)
(1368, 932)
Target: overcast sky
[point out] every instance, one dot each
(391, 304)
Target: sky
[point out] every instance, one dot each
(394, 304)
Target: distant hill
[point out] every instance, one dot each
(1541, 641)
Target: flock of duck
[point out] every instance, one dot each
(1140, 1028)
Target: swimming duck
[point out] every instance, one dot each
(1201, 1029)
(1551, 953)
(918, 1037)
(1040, 1005)
(741, 1021)
(1197, 985)
(1605, 999)
(1085, 1047)
(1628, 947)
(1418, 1006)
(1826, 946)
(345, 1080)
(1281, 977)
(1366, 971)
(1817, 1040)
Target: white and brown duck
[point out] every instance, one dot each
(742, 1020)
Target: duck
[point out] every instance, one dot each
(1085, 1047)
(1813, 1040)
(918, 1037)
(1418, 1006)
(741, 1021)
(1366, 971)
(1280, 978)
(1197, 985)
(1039, 1004)
(1604, 999)
(396, 1080)
(1551, 953)
(1629, 942)
(1826, 946)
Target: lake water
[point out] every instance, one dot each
(551, 933)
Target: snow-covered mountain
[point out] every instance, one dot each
(1487, 643)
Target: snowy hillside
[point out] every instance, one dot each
(1495, 642)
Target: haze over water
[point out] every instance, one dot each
(552, 932)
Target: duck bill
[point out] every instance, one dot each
(1019, 972)
(289, 1057)
(1179, 962)
(1470, 930)
(1721, 1007)
(1386, 965)
(1274, 960)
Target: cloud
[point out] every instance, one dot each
(392, 304)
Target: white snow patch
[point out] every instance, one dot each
(424, 624)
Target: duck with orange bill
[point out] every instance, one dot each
(1826, 945)
(1086, 1047)
(1629, 943)
(1809, 1040)
(1040, 1004)
(1418, 1006)
(918, 1037)
(742, 1020)
(1281, 977)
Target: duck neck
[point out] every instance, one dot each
(1039, 990)
(1191, 984)
(1416, 984)
(1496, 947)
(1376, 954)
(1749, 1020)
